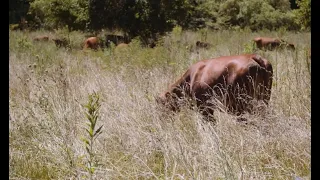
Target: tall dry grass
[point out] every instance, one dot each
(48, 86)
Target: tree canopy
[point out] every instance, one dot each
(149, 17)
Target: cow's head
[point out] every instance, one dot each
(168, 101)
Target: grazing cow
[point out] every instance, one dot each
(41, 38)
(120, 47)
(91, 42)
(266, 43)
(204, 45)
(61, 42)
(116, 39)
(232, 80)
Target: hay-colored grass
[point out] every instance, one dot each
(48, 86)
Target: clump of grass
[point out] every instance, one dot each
(249, 47)
(281, 31)
(24, 43)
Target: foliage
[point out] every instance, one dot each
(59, 13)
(303, 14)
(24, 43)
(139, 18)
(256, 14)
(150, 18)
(282, 5)
(249, 47)
(228, 12)
(17, 10)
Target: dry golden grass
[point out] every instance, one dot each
(47, 87)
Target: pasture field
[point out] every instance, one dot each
(48, 87)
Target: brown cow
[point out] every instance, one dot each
(267, 43)
(221, 78)
(61, 42)
(91, 42)
(116, 39)
(204, 45)
(120, 47)
(41, 38)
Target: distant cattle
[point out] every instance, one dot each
(92, 43)
(267, 43)
(232, 80)
(120, 47)
(41, 38)
(204, 45)
(116, 39)
(61, 42)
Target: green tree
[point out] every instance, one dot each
(256, 14)
(144, 18)
(303, 14)
(282, 5)
(228, 13)
(293, 4)
(205, 14)
(59, 13)
(17, 9)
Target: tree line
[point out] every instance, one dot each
(146, 18)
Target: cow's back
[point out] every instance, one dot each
(120, 48)
(41, 38)
(213, 71)
(116, 39)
